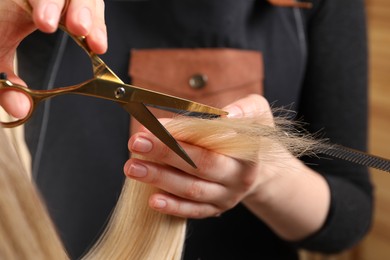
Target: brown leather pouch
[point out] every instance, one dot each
(215, 77)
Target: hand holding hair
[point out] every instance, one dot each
(247, 158)
(235, 165)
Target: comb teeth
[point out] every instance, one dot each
(355, 156)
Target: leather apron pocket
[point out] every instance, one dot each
(291, 3)
(215, 77)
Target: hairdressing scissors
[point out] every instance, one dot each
(107, 85)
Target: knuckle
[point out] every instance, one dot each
(100, 7)
(162, 152)
(176, 210)
(228, 204)
(247, 181)
(196, 213)
(261, 106)
(254, 105)
(157, 176)
(153, 178)
(204, 211)
(182, 209)
(195, 190)
(207, 160)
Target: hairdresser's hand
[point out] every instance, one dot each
(288, 196)
(218, 184)
(82, 17)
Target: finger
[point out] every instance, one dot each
(174, 181)
(82, 18)
(97, 38)
(15, 103)
(171, 205)
(250, 106)
(211, 166)
(79, 17)
(86, 18)
(46, 14)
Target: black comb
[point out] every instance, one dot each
(355, 156)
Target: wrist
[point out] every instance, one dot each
(294, 201)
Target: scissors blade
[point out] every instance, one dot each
(173, 104)
(140, 112)
(110, 89)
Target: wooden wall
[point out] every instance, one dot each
(377, 244)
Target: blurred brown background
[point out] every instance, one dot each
(377, 244)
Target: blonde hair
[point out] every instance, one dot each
(135, 231)
(26, 231)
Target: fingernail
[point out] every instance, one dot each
(234, 111)
(51, 15)
(159, 204)
(142, 145)
(137, 170)
(85, 19)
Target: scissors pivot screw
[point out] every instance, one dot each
(107, 85)
(120, 92)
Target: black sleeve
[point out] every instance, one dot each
(334, 102)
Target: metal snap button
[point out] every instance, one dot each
(198, 81)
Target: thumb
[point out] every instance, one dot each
(15, 103)
(251, 106)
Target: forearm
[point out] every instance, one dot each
(294, 202)
(334, 102)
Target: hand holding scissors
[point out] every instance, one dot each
(21, 17)
(105, 84)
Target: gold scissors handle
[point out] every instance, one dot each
(107, 85)
(100, 69)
